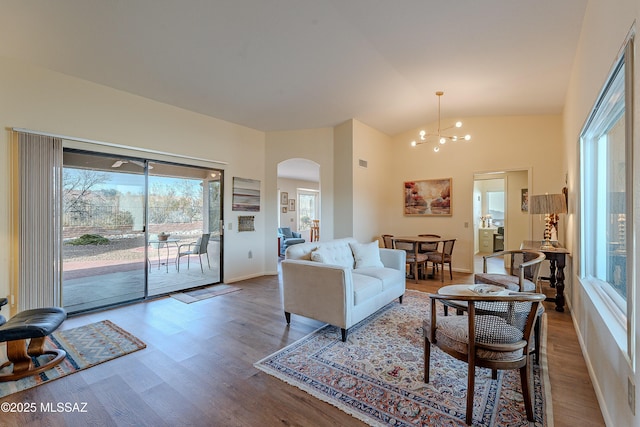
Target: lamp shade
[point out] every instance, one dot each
(547, 204)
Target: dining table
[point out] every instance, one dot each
(416, 241)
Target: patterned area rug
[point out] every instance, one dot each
(204, 293)
(86, 346)
(377, 375)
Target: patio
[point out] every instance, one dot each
(101, 275)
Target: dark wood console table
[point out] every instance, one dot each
(557, 261)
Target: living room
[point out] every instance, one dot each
(355, 201)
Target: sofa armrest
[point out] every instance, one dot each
(320, 291)
(393, 258)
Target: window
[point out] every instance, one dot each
(307, 208)
(495, 206)
(606, 192)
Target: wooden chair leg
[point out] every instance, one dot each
(471, 383)
(525, 380)
(427, 358)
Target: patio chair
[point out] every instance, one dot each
(496, 334)
(199, 247)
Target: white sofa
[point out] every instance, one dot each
(341, 281)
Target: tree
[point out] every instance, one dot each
(77, 188)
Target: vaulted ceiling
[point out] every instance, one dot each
(297, 64)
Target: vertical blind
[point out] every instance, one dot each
(39, 216)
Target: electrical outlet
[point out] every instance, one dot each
(466, 225)
(230, 226)
(631, 395)
(250, 254)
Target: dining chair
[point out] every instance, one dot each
(388, 240)
(439, 259)
(427, 248)
(416, 261)
(199, 247)
(495, 334)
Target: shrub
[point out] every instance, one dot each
(89, 239)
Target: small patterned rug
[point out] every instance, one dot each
(377, 375)
(204, 293)
(86, 346)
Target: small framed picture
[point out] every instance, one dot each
(284, 198)
(284, 209)
(524, 200)
(292, 205)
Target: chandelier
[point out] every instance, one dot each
(442, 139)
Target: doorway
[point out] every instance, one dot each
(127, 225)
(491, 191)
(299, 179)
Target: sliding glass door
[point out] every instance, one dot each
(134, 228)
(184, 227)
(104, 257)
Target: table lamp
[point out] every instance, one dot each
(549, 205)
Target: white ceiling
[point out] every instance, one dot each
(297, 64)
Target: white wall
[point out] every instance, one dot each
(343, 168)
(42, 100)
(604, 30)
(372, 188)
(498, 143)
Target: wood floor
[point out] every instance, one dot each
(197, 369)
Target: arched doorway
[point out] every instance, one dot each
(298, 195)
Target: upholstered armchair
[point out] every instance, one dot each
(288, 238)
(523, 270)
(496, 334)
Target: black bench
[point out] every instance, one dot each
(34, 325)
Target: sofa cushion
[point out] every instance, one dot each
(390, 277)
(365, 287)
(366, 255)
(337, 253)
(327, 255)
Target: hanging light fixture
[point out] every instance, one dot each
(442, 139)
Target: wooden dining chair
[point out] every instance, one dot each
(416, 261)
(427, 248)
(388, 240)
(443, 257)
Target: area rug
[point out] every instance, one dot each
(377, 375)
(204, 293)
(86, 346)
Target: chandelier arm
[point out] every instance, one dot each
(441, 138)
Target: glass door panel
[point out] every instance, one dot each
(104, 250)
(184, 230)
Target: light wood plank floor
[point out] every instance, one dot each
(197, 369)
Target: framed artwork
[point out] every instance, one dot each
(430, 197)
(284, 209)
(246, 195)
(292, 205)
(524, 200)
(284, 198)
(246, 223)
